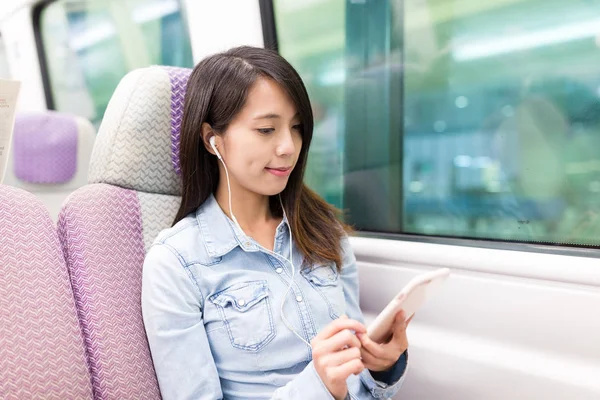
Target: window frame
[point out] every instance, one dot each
(589, 251)
(267, 19)
(36, 15)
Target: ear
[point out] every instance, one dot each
(207, 133)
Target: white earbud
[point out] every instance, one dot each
(212, 141)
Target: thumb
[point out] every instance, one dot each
(400, 323)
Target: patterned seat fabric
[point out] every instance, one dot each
(42, 354)
(107, 226)
(50, 155)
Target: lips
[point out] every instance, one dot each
(281, 171)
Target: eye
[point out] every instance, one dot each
(265, 131)
(297, 127)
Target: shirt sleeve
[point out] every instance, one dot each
(172, 312)
(393, 378)
(307, 385)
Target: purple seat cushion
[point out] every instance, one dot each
(100, 227)
(42, 355)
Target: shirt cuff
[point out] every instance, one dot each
(321, 391)
(307, 385)
(386, 383)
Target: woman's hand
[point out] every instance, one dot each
(336, 354)
(381, 357)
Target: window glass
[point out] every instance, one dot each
(454, 118)
(91, 45)
(314, 42)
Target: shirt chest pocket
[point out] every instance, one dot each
(245, 310)
(325, 279)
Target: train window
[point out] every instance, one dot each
(448, 118)
(90, 46)
(313, 41)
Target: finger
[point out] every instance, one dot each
(387, 355)
(337, 342)
(377, 350)
(399, 338)
(370, 361)
(399, 323)
(343, 371)
(410, 319)
(338, 325)
(341, 357)
(341, 340)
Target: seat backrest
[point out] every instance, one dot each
(107, 226)
(42, 355)
(50, 155)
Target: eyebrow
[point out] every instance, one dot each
(273, 116)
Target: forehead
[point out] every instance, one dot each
(268, 97)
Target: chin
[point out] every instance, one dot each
(274, 192)
(271, 190)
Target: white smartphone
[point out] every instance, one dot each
(409, 299)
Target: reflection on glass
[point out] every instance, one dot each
(455, 118)
(91, 46)
(311, 36)
(517, 99)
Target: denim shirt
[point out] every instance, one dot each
(211, 302)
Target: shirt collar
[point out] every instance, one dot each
(221, 234)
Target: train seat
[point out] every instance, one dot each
(107, 226)
(50, 155)
(42, 354)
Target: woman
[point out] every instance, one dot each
(253, 293)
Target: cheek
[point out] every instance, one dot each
(250, 160)
(239, 151)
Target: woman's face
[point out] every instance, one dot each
(262, 144)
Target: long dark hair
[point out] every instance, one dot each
(216, 92)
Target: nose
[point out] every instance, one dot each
(286, 145)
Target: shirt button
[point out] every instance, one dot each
(242, 302)
(279, 270)
(299, 299)
(247, 244)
